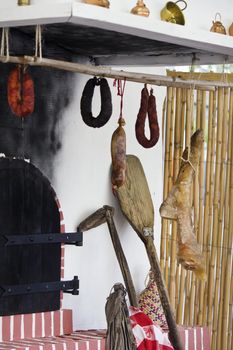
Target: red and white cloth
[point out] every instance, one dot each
(147, 334)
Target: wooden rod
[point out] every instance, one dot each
(121, 258)
(207, 76)
(107, 72)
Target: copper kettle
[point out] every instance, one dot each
(140, 9)
(217, 26)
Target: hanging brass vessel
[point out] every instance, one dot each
(102, 3)
(140, 9)
(231, 30)
(23, 2)
(173, 13)
(217, 26)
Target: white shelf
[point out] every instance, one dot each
(151, 29)
(183, 42)
(35, 14)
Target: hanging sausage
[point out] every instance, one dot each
(118, 146)
(106, 103)
(21, 96)
(148, 106)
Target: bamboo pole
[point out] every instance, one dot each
(180, 310)
(198, 110)
(169, 147)
(188, 131)
(230, 322)
(216, 206)
(210, 203)
(107, 72)
(183, 292)
(228, 271)
(188, 125)
(170, 184)
(201, 175)
(176, 160)
(187, 299)
(180, 273)
(223, 190)
(226, 219)
(164, 223)
(183, 115)
(206, 222)
(196, 192)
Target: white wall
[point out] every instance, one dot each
(83, 185)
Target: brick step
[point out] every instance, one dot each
(193, 338)
(87, 340)
(45, 324)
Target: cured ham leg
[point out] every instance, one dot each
(177, 206)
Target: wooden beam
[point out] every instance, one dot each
(88, 69)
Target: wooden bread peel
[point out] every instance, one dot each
(137, 206)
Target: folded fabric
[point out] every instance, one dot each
(148, 335)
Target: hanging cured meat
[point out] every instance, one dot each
(21, 97)
(118, 152)
(106, 103)
(177, 206)
(148, 106)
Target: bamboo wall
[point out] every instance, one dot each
(196, 302)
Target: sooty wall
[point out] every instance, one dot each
(37, 136)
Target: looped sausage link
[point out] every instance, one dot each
(148, 105)
(21, 97)
(106, 103)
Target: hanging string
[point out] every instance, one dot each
(120, 92)
(5, 45)
(38, 46)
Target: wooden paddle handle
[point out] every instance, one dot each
(155, 267)
(96, 219)
(121, 259)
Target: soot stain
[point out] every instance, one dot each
(38, 136)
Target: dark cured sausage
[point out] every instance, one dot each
(21, 97)
(106, 103)
(148, 105)
(118, 152)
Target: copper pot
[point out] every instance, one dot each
(217, 26)
(23, 2)
(231, 29)
(102, 3)
(173, 13)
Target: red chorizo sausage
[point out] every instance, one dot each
(21, 97)
(148, 105)
(118, 153)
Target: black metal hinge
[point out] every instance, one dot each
(71, 287)
(66, 238)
